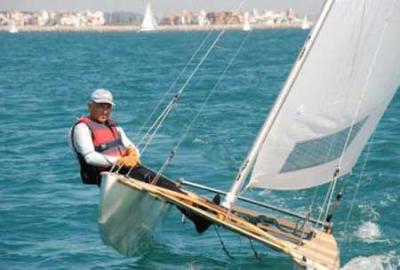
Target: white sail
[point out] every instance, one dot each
(340, 86)
(149, 22)
(246, 25)
(305, 25)
(13, 28)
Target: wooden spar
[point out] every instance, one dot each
(319, 250)
(251, 201)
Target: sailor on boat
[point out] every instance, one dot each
(100, 144)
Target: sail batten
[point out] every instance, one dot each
(334, 97)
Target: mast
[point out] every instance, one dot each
(248, 163)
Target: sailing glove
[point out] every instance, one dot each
(131, 159)
(131, 151)
(128, 161)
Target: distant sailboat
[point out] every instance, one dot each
(13, 28)
(246, 25)
(149, 22)
(305, 25)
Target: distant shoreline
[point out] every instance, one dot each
(136, 28)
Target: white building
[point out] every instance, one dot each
(203, 18)
(69, 19)
(17, 17)
(43, 18)
(94, 18)
(3, 19)
(183, 17)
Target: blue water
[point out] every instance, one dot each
(48, 218)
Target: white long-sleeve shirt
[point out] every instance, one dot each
(83, 143)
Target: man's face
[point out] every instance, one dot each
(100, 112)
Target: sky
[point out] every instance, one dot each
(162, 7)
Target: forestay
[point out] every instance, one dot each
(339, 88)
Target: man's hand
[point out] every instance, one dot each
(131, 151)
(128, 161)
(131, 159)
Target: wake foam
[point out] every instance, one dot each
(368, 232)
(375, 262)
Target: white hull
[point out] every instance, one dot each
(150, 29)
(246, 27)
(127, 217)
(13, 30)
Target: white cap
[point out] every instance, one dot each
(102, 96)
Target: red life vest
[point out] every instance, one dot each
(106, 140)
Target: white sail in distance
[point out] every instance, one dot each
(304, 24)
(13, 28)
(338, 89)
(149, 22)
(246, 24)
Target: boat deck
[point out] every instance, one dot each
(308, 247)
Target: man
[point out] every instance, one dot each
(100, 143)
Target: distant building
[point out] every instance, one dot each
(189, 18)
(225, 17)
(3, 19)
(17, 17)
(123, 18)
(202, 18)
(94, 18)
(86, 18)
(98, 18)
(43, 18)
(53, 18)
(290, 15)
(68, 19)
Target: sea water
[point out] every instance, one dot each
(48, 218)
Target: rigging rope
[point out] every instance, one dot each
(363, 93)
(255, 251)
(166, 111)
(188, 128)
(311, 206)
(324, 205)
(222, 243)
(142, 138)
(170, 106)
(355, 56)
(157, 124)
(358, 186)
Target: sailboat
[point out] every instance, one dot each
(337, 91)
(246, 25)
(13, 28)
(305, 25)
(149, 22)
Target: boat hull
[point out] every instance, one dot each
(128, 218)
